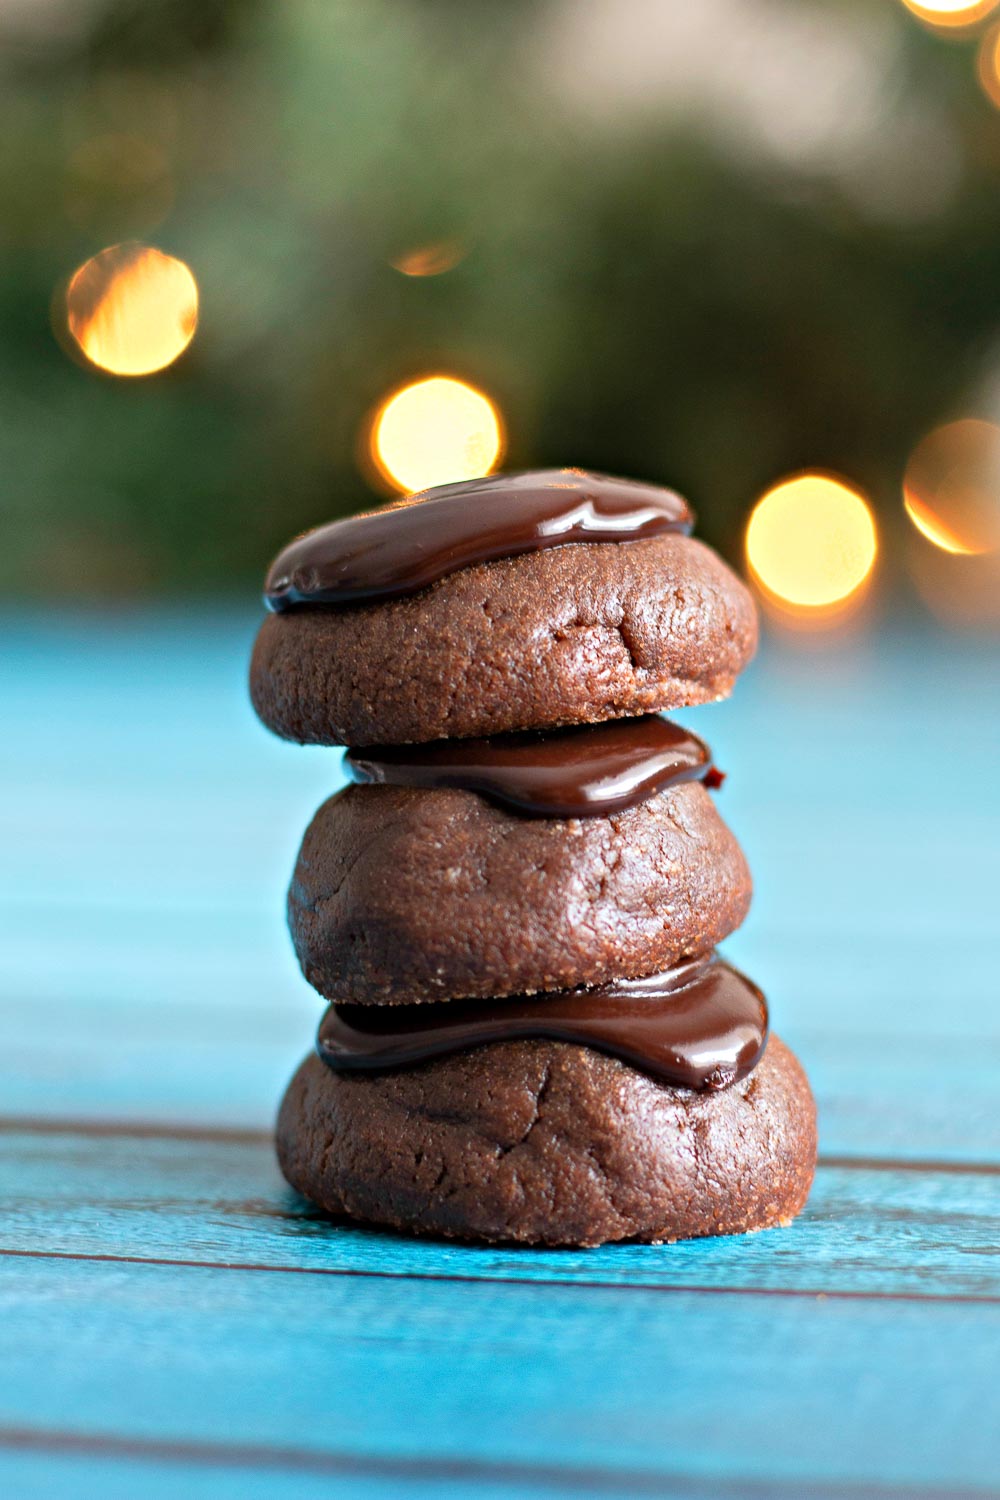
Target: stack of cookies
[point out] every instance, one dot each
(514, 910)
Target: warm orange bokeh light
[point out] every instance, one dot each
(132, 309)
(988, 65)
(962, 590)
(430, 260)
(951, 13)
(435, 431)
(811, 544)
(951, 488)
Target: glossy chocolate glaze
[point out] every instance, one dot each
(561, 773)
(700, 1026)
(404, 547)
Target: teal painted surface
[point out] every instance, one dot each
(147, 828)
(919, 1233)
(32, 1474)
(688, 1384)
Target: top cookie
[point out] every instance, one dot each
(518, 602)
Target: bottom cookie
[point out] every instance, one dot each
(542, 1142)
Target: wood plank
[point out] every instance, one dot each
(866, 1232)
(511, 1374)
(144, 973)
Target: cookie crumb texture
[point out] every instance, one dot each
(574, 635)
(519, 904)
(546, 1143)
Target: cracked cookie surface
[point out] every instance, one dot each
(547, 1143)
(574, 635)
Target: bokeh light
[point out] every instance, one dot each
(951, 488)
(951, 14)
(430, 260)
(132, 309)
(988, 65)
(435, 431)
(963, 591)
(811, 545)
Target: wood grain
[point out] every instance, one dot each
(693, 1383)
(866, 1232)
(174, 1321)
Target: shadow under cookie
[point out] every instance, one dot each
(517, 904)
(542, 1142)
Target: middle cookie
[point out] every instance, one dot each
(402, 894)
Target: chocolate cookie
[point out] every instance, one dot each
(570, 635)
(543, 1142)
(401, 895)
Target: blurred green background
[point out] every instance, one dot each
(710, 244)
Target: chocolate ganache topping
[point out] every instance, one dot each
(700, 1026)
(388, 553)
(564, 773)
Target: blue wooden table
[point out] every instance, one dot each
(174, 1321)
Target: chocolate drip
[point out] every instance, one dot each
(700, 1026)
(567, 773)
(403, 548)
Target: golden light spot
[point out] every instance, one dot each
(951, 488)
(988, 65)
(929, 526)
(430, 260)
(436, 431)
(132, 309)
(962, 591)
(811, 544)
(951, 14)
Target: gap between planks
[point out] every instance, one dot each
(247, 1136)
(814, 1294)
(577, 1480)
(240, 1136)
